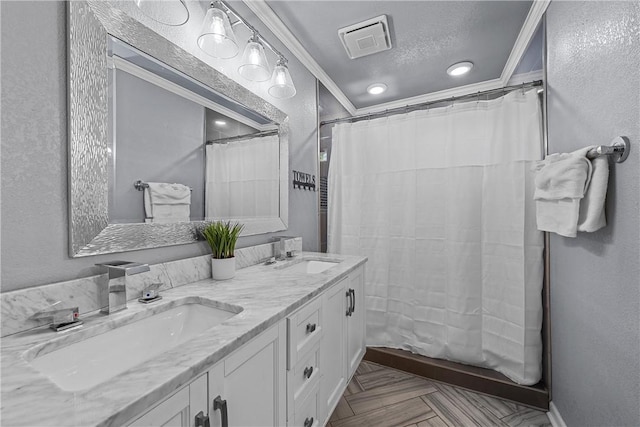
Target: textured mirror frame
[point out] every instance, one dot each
(88, 26)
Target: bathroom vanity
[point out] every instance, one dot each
(288, 338)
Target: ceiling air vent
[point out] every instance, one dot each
(366, 38)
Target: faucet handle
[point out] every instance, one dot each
(151, 293)
(62, 318)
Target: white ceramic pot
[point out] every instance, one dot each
(223, 269)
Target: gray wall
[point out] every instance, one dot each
(159, 138)
(34, 152)
(594, 95)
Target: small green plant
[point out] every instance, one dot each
(222, 238)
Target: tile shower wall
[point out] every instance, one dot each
(34, 152)
(593, 96)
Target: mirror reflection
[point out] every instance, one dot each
(181, 152)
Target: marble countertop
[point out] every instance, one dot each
(267, 294)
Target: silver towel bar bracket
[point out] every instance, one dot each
(618, 150)
(140, 185)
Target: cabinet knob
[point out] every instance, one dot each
(308, 371)
(311, 327)
(308, 422)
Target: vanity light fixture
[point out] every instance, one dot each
(218, 40)
(281, 85)
(255, 66)
(216, 36)
(377, 88)
(168, 12)
(460, 68)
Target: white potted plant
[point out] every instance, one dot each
(222, 238)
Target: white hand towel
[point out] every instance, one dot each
(592, 216)
(165, 202)
(561, 182)
(163, 193)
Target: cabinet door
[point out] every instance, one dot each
(180, 409)
(333, 351)
(356, 345)
(252, 382)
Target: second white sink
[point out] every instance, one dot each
(310, 266)
(87, 363)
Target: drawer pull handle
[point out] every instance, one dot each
(348, 295)
(353, 300)
(308, 422)
(311, 327)
(308, 371)
(202, 420)
(218, 403)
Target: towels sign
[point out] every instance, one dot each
(304, 180)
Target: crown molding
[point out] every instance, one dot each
(517, 79)
(280, 30)
(538, 8)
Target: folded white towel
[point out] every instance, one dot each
(592, 215)
(561, 182)
(165, 202)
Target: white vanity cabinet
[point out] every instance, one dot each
(251, 383)
(293, 374)
(343, 342)
(180, 409)
(356, 340)
(247, 388)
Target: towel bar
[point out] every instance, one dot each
(619, 149)
(140, 185)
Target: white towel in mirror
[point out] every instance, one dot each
(164, 202)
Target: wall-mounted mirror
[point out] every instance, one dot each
(160, 142)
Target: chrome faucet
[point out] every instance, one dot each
(280, 248)
(62, 319)
(116, 288)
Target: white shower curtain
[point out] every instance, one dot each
(441, 202)
(242, 179)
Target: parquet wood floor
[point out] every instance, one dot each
(384, 397)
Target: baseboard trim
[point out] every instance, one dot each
(470, 377)
(554, 416)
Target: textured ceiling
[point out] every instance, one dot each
(427, 37)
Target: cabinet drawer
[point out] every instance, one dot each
(304, 330)
(305, 374)
(306, 411)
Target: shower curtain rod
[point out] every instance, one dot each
(423, 105)
(243, 137)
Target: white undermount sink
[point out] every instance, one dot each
(87, 363)
(310, 266)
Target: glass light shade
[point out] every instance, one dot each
(281, 85)
(255, 66)
(168, 12)
(216, 36)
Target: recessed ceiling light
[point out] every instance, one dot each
(460, 68)
(377, 88)
(220, 122)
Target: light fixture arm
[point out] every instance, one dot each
(251, 28)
